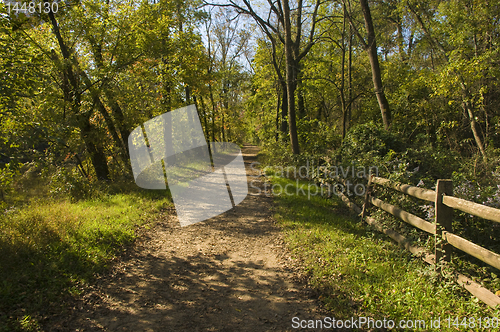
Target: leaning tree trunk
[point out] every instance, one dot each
(473, 126)
(96, 152)
(371, 48)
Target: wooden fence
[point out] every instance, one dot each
(444, 204)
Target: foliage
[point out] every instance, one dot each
(66, 182)
(355, 271)
(368, 139)
(74, 84)
(51, 248)
(6, 179)
(316, 137)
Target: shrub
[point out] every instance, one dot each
(368, 139)
(69, 182)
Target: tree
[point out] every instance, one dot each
(467, 54)
(370, 45)
(89, 49)
(284, 24)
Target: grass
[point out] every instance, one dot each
(49, 248)
(359, 272)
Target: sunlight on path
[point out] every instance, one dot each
(224, 274)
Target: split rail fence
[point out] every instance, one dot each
(445, 239)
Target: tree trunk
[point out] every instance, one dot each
(301, 102)
(116, 111)
(301, 110)
(278, 107)
(222, 127)
(342, 78)
(97, 155)
(284, 99)
(371, 48)
(349, 80)
(401, 47)
(473, 126)
(188, 95)
(225, 105)
(120, 119)
(104, 112)
(292, 126)
(284, 109)
(109, 123)
(290, 79)
(206, 131)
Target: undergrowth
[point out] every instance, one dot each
(360, 272)
(50, 247)
(403, 161)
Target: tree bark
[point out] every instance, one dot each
(290, 79)
(349, 80)
(282, 82)
(284, 109)
(96, 152)
(104, 112)
(342, 77)
(301, 102)
(278, 108)
(473, 127)
(371, 48)
(120, 118)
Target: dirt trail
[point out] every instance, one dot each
(229, 273)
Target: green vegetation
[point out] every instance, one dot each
(50, 248)
(360, 272)
(408, 86)
(404, 161)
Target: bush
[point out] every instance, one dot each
(7, 175)
(368, 139)
(316, 137)
(69, 182)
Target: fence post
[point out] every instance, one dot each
(443, 219)
(367, 195)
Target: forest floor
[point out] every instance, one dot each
(229, 273)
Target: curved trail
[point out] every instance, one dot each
(229, 273)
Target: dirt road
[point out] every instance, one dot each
(229, 273)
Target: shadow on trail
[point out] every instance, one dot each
(223, 274)
(190, 294)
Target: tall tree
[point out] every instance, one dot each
(284, 24)
(370, 45)
(466, 55)
(72, 87)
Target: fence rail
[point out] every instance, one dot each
(403, 215)
(476, 209)
(425, 194)
(487, 256)
(441, 228)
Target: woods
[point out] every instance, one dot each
(97, 69)
(408, 87)
(414, 57)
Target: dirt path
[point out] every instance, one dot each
(229, 273)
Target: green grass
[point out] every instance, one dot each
(49, 248)
(360, 272)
